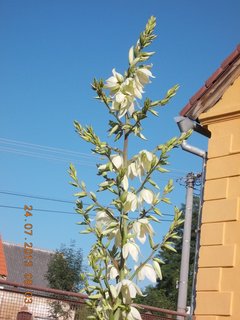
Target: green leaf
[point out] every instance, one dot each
(157, 211)
(151, 243)
(166, 200)
(169, 247)
(114, 129)
(72, 171)
(140, 135)
(153, 183)
(80, 194)
(89, 208)
(86, 231)
(83, 223)
(169, 187)
(74, 184)
(154, 112)
(159, 260)
(95, 296)
(162, 170)
(117, 313)
(157, 269)
(93, 196)
(154, 219)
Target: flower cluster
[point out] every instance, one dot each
(124, 90)
(127, 288)
(138, 166)
(134, 202)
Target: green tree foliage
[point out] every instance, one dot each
(65, 268)
(156, 297)
(165, 294)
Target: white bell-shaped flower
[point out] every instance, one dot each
(126, 105)
(112, 272)
(124, 183)
(146, 195)
(142, 227)
(117, 160)
(134, 314)
(132, 170)
(102, 219)
(131, 202)
(143, 75)
(146, 159)
(128, 289)
(113, 83)
(147, 271)
(116, 235)
(132, 249)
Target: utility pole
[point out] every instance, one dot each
(184, 270)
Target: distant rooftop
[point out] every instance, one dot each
(15, 264)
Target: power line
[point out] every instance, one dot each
(38, 146)
(24, 144)
(55, 211)
(53, 199)
(37, 209)
(66, 160)
(43, 156)
(37, 197)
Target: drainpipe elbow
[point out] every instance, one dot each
(191, 149)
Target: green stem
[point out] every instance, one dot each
(123, 222)
(146, 261)
(148, 176)
(104, 99)
(108, 212)
(125, 150)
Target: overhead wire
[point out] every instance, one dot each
(56, 211)
(36, 197)
(39, 146)
(63, 151)
(54, 150)
(53, 199)
(43, 156)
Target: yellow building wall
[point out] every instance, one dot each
(218, 278)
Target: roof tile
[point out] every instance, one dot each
(210, 81)
(197, 95)
(230, 58)
(213, 77)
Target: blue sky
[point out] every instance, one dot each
(50, 52)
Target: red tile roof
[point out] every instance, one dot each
(226, 64)
(3, 265)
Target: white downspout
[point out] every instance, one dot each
(184, 125)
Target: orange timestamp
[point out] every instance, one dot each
(28, 251)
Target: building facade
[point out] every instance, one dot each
(217, 107)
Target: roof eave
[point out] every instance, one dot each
(208, 95)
